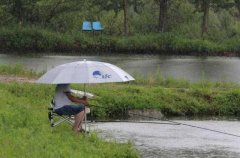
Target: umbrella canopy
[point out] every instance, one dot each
(85, 72)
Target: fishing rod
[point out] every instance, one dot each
(177, 123)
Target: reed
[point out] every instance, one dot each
(18, 70)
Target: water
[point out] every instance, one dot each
(179, 67)
(171, 141)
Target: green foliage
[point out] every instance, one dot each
(152, 42)
(112, 22)
(228, 103)
(53, 25)
(145, 21)
(205, 46)
(19, 38)
(232, 44)
(184, 19)
(32, 38)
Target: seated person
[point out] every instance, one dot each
(64, 101)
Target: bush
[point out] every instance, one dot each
(34, 38)
(228, 103)
(200, 46)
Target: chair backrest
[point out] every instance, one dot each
(97, 26)
(86, 26)
(52, 103)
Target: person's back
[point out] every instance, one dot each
(60, 97)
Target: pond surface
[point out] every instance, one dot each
(179, 67)
(177, 141)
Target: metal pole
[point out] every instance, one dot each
(85, 114)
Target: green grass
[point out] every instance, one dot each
(18, 70)
(25, 130)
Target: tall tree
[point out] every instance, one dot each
(163, 8)
(237, 5)
(118, 6)
(125, 17)
(22, 10)
(39, 11)
(204, 7)
(162, 18)
(205, 19)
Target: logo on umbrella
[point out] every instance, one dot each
(99, 75)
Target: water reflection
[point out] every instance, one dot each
(180, 67)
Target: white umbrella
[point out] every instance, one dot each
(85, 72)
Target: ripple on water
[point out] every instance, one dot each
(170, 141)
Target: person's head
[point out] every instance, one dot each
(62, 86)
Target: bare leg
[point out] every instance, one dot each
(78, 121)
(81, 121)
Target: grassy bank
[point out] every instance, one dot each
(171, 97)
(25, 130)
(38, 39)
(195, 100)
(18, 70)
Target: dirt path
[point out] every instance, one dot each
(5, 78)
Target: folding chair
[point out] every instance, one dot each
(63, 118)
(87, 26)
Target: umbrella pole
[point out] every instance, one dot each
(85, 114)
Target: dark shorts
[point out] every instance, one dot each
(70, 109)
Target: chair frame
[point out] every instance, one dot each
(64, 118)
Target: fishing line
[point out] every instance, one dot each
(131, 121)
(178, 123)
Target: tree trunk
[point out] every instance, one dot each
(237, 5)
(18, 11)
(205, 8)
(125, 17)
(163, 6)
